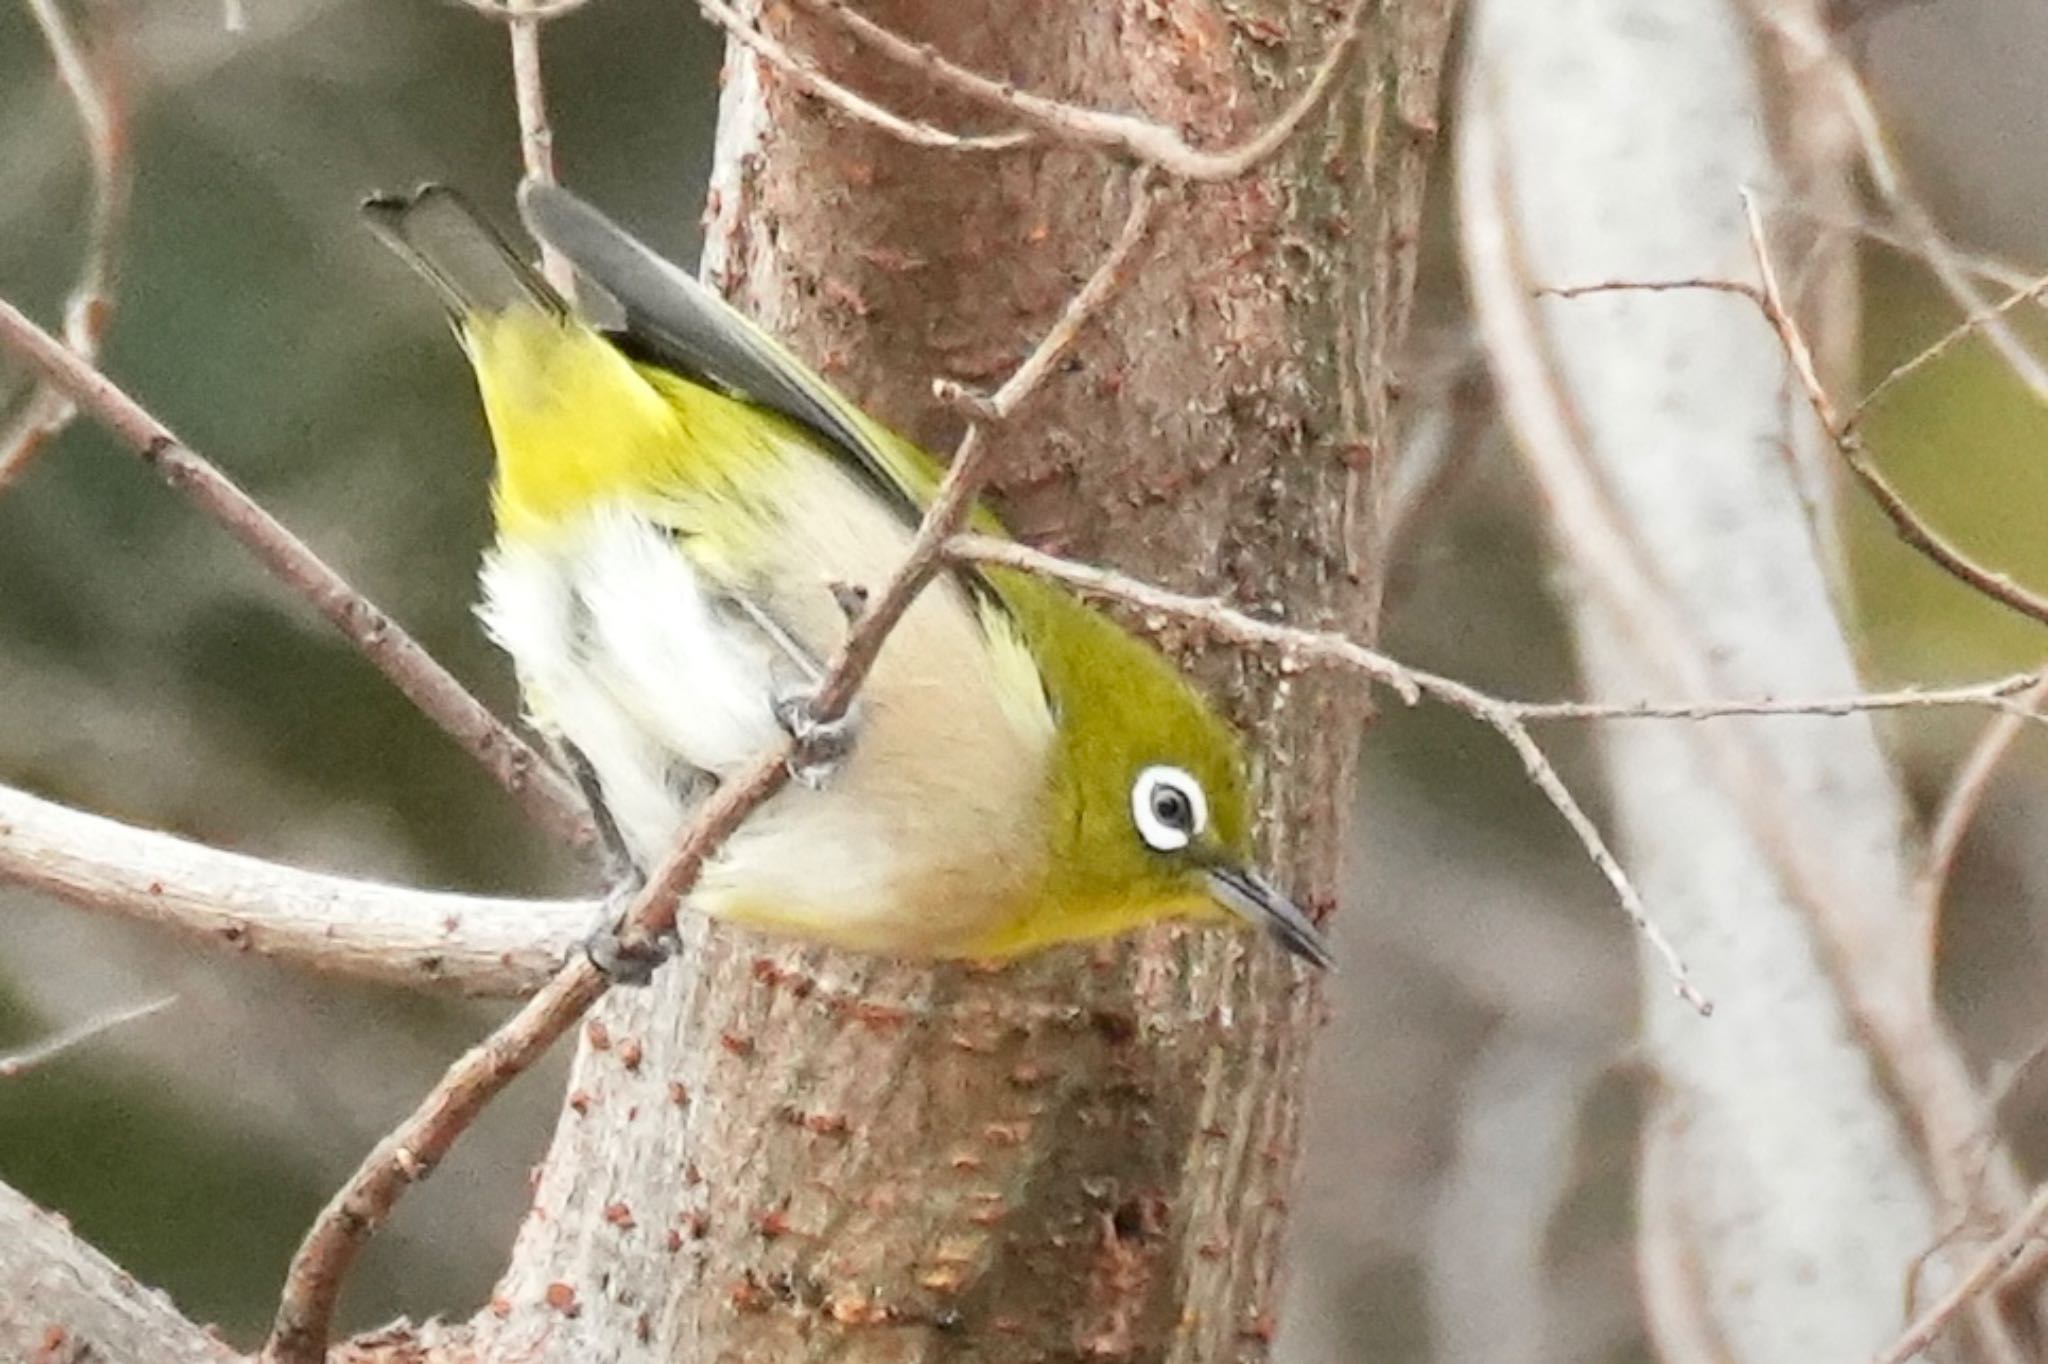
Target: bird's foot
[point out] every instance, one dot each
(625, 962)
(822, 746)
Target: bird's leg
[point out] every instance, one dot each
(623, 882)
(821, 745)
(611, 843)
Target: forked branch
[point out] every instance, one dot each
(1140, 139)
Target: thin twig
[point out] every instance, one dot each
(548, 799)
(950, 508)
(1546, 779)
(1690, 284)
(1109, 276)
(1991, 269)
(1958, 811)
(90, 305)
(1969, 326)
(1906, 522)
(535, 11)
(408, 1154)
(1139, 138)
(536, 134)
(473, 944)
(1300, 648)
(1889, 180)
(1908, 525)
(18, 1063)
(412, 1150)
(1297, 648)
(1306, 647)
(2010, 1245)
(806, 74)
(2006, 695)
(1916, 1064)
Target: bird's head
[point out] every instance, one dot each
(1148, 813)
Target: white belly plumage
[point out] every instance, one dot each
(665, 686)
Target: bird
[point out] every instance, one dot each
(686, 515)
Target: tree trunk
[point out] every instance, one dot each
(1819, 1136)
(780, 1153)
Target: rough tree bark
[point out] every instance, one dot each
(789, 1154)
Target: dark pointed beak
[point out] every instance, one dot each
(1259, 901)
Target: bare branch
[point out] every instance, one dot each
(1675, 618)
(1988, 268)
(1139, 138)
(2007, 695)
(1320, 648)
(1812, 41)
(1969, 326)
(1959, 807)
(1997, 1257)
(1545, 776)
(90, 305)
(536, 134)
(1908, 523)
(61, 1300)
(21, 1062)
(1308, 647)
(1110, 275)
(1652, 286)
(549, 800)
(1917, 534)
(1841, 431)
(2032, 289)
(409, 1153)
(914, 131)
(1296, 647)
(474, 944)
(305, 1316)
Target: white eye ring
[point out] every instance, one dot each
(1168, 807)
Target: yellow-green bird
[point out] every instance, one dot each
(681, 508)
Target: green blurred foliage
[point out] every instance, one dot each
(150, 1179)
(1965, 442)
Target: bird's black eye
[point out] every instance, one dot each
(1168, 807)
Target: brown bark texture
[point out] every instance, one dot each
(61, 1300)
(784, 1153)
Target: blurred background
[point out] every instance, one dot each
(1475, 1083)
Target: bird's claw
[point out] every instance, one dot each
(822, 746)
(625, 962)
